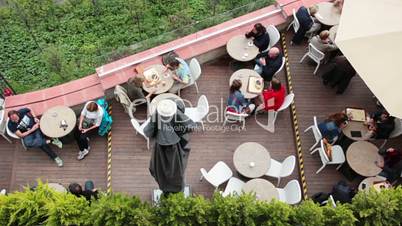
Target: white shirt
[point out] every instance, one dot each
(95, 116)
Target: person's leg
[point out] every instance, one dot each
(81, 139)
(258, 68)
(48, 150)
(298, 37)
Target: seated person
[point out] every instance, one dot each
(277, 92)
(392, 164)
(181, 74)
(308, 24)
(90, 119)
(381, 125)
(268, 63)
(25, 125)
(337, 72)
(260, 35)
(236, 101)
(89, 192)
(134, 86)
(322, 42)
(332, 127)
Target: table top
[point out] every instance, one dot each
(243, 75)
(50, 122)
(264, 190)
(165, 83)
(251, 160)
(332, 32)
(355, 126)
(58, 187)
(361, 157)
(369, 182)
(328, 14)
(158, 98)
(239, 48)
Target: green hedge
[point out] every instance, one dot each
(47, 207)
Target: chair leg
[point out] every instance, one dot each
(308, 128)
(202, 177)
(315, 150)
(316, 68)
(23, 145)
(5, 137)
(279, 181)
(319, 170)
(340, 165)
(312, 147)
(196, 86)
(383, 144)
(202, 124)
(148, 143)
(290, 25)
(304, 57)
(178, 93)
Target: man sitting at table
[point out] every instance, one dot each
(25, 125)
(268, 63)
(181, 74)
(392, 164)
(322, 42)
(308, 24)
(260, 35)
(381, 125)
(276, 92)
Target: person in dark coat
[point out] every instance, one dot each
(381, 124)
(308, 24)
(338, 72)
(392, 164)
(260, 36)
(268, 63)
(170, 127)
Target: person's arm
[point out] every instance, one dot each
(80, 122)
(26, 133)
(98, 121)
(263, 54)
(242, 100)
(268, 72)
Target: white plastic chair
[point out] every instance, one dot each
(286, 103)
(3, 124)
(139, 128)
(315, 54)
(198, 113)
(234, 187)
(233, 117)
(396, 132)
(282, 65)
(338, 157)
(291, 193)
(274, 36)
(284, 169)
(13, 135)
(295, 23)
(195, 69)
(316, 133)
(218, 175)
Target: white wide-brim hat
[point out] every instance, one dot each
(166, 108)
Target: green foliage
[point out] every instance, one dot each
(342, 215)
(308, 213)
(47, 42)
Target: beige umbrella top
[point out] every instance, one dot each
(370, 36)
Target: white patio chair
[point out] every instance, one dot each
(286, 103)
(282, 65)
(315, 54)
(3, 123)
(233, 117)
(316, 133)
(338, 157)
(198, 113)
(280, 170)
(396, 132)
(13, 135)
(291, 193)
(120, 94)
(218, 175)
(234, 187)
(195, 69)
(274, 36)
(295, 23)
(139, 128)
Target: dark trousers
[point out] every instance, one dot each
(38, 140)
(82, 138)
(299, 36)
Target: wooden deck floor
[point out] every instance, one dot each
(130, 158)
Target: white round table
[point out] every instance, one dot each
(369, 182)
(263, 189)
(251, 160)
(361, 157)
(57, 187)
(51, 121)
(328, 14)
(357, 127)
(241, 49)
(158, 98)
(243, 75)
(165, 83)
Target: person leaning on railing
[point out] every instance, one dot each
(260, 36)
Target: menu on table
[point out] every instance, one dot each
(255, 85)
(356, 114)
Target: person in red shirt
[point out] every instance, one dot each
(277, 91)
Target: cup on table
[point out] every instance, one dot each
(250, 43)
(252, 164)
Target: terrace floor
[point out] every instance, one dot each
(130, 158)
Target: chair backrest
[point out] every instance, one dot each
(218, 174)
(288, 165)
(233, 116)
(132, 108)
(195, 69)
(120, 94)
(316, 130)
(233, 187)
(137, 126)
(2, 120)
(203, 106)
(296, 24)
(397, 129)
(314, 53)
(286, 103)
(282, 65)
(323, 154)
(274, 35)
(293, 192)
(9, 133)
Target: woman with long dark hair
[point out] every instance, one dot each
(260, 36)
(236, 101)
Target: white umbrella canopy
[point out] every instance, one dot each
(370, 36)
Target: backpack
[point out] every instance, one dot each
(106, 123)
(342, 192)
